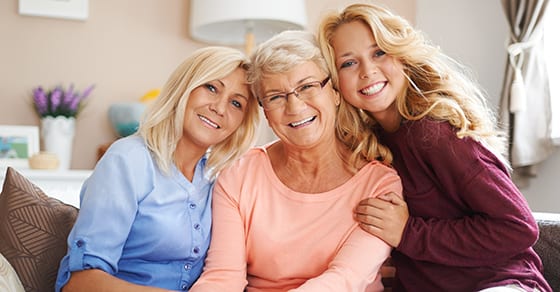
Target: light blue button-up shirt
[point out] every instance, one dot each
(138, 224)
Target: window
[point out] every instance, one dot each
(552, 55)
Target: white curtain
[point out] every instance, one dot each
(525, 106)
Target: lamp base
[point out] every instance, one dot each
(249, 42)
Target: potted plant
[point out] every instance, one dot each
(58, 109)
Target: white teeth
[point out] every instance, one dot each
(209, 122)
(295, 124)
(373, 89)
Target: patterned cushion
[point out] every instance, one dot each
(33, 231)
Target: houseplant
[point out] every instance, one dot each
(59, 102)
(58, 109)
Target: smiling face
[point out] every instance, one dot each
(301, 123)
(215, 110)
(368, 78)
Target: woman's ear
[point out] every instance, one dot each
(337, 98)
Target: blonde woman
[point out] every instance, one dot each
(464, 225)
(144, 220)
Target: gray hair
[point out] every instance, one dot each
(283, 52)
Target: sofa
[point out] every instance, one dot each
(34, 227)
(548, 247)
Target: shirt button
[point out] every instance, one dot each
(79, 243)
(192, 205)
(188, 267)
(196, 250)
(184, 287)
(197, 226)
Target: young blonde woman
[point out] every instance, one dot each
(464, 225)
(144, 220)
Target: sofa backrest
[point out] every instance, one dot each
(548, 247)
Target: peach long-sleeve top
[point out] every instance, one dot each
(267, 237)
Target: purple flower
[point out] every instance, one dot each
(40, 100)
(67, 98)
(87, 92)
(59, 102)
(56, 98)
(74, 102)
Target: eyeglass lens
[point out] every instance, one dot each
(302, 92)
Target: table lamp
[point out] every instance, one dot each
(228, 22)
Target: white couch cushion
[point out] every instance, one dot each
(9, 281)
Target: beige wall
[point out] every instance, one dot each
(125, 47)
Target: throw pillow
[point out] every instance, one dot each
(33, 231)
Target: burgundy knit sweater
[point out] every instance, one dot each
(470, 228)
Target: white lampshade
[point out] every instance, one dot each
(227, 22)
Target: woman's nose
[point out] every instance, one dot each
(219, 105)
(294, 105)
(368, 69)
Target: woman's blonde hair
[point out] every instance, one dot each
(162, 125)
(438, 86)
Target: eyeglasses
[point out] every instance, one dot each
(303, 92)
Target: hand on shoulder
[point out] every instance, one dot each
(384, 216)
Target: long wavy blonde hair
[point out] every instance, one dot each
(162, 125)
(438, 86)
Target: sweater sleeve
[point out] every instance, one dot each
(495, 222)
(357, 263)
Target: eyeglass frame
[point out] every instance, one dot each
(294, 92)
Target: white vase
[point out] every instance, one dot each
(58, 136)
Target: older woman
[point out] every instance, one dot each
(283, 213)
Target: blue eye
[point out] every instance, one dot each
(274, 97)
(309, 86)
(211, 87)
(236, 104)
(347, 64)
(305, 87)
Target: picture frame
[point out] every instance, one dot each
(68, 9)
(17, 145)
